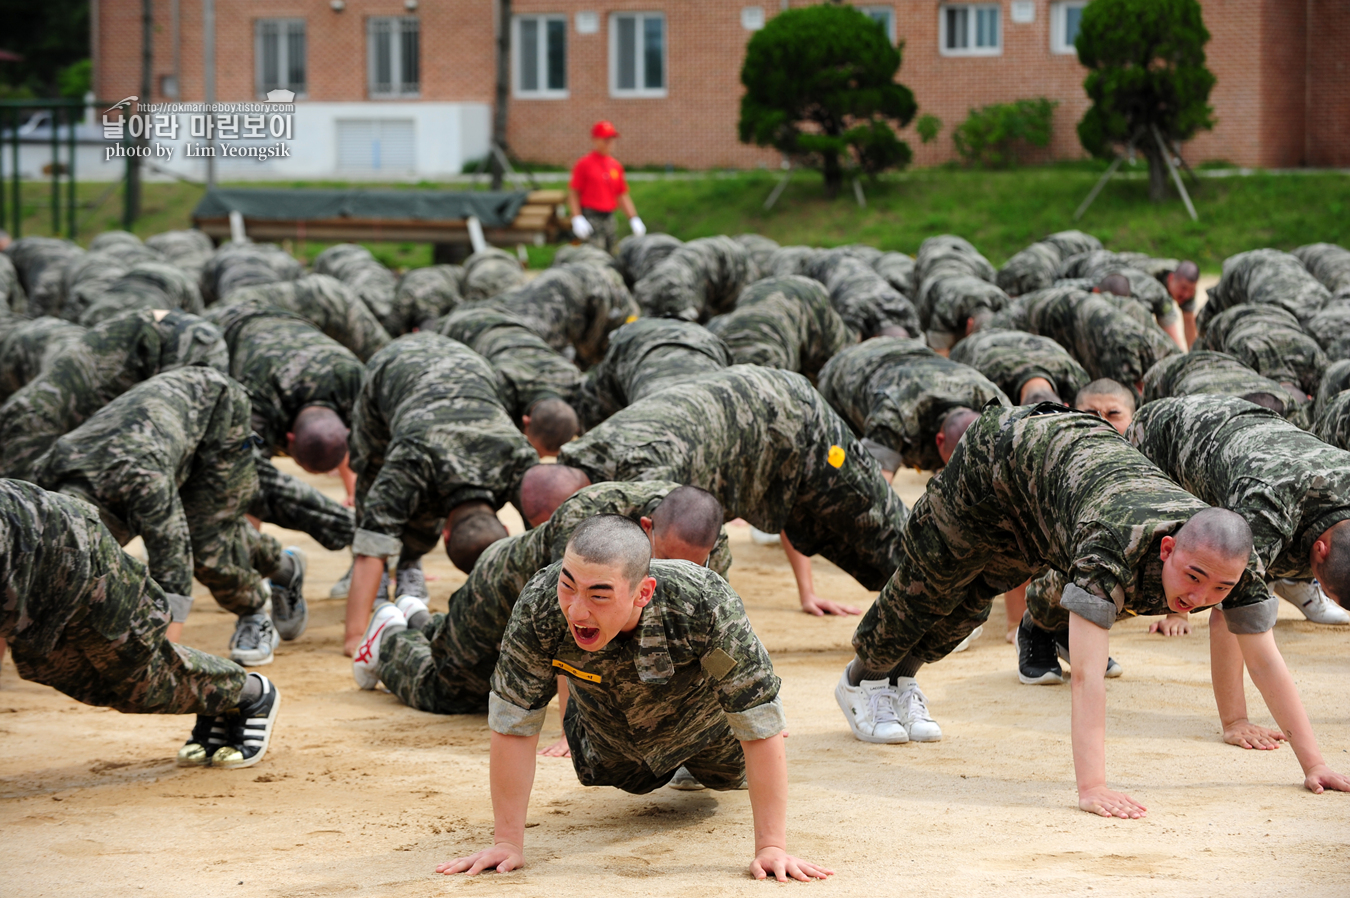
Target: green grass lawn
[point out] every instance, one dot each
(1000, 212)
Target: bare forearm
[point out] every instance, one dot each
(366, 573)
(512, 775)
(574, 202)
(1188, 327)
(1272, 677)
(801, 568)
(1225, 670)
(1088, 646)
(348, 478)
(1175, 331)
(766, 774)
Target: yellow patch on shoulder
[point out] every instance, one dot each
(579, 674)
(630, 319)
(837, 456)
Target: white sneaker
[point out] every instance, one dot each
(366, 660)
(760, 538)
(965, 643)
(869, 709)
(685, 781)
(410, 606)
(1307, 596)
(912, 706)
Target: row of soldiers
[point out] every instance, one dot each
(790, 408)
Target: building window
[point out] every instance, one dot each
(370, 146)
(279, 55)
(541, 56)
(393, 56)
(752, 18)
(637, 55)
(970, 29)
(1064, 21)
(883, 16)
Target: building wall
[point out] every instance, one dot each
(1329, 83)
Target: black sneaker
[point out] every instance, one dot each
(207, 735)
(250, 729)
(1036, 661)
(290, 614)
(1113, 668)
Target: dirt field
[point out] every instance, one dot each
(361, 796)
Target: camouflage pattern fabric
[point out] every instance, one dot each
(639, 255)
(116, 239)
(1331, 411)
(1011, 358)
(429, 433)
(1031, 488)
(528, 369)
(1214, 373)
(326, 303)
(1034, 268)
(12, 298)
(87, 277)
(445, 667)
(698, 280)
(1104, 340)
(863, 298)
(953, 302)
(1335, 379)
(84, 617)
(771, 450)
(373, 284)
(783, 323)
(898, 270)
(759, 247)
(41, 264)
(573, 306)
(104, 362)
(584, 254)
(789, 260)
(490, 273)
(188, 249)
(30, 347)
(292, 503)
(1139, 269)
(604, 229)
(1330, 264)
(1264, 277)
(1268, 340)
(646, 357)
(427, 294)
(1331, 328)
(170, 461)
(692, 681)
(146, 285)
(237, 265)
(942, 257)
(894, 394)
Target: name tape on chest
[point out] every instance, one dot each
(579, 674)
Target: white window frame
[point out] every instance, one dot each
(873, 11)
(396, 83)
(285, 28)
(1058, 21)
(971, 19)
(518, 52)
(640, 74)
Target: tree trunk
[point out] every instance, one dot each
(834, 175)
(133, 186)
(503, 91)
(1157, 176)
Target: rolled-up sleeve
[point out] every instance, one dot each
(1099, 611)
(513, 720)
(1250, 608)
(760, 722)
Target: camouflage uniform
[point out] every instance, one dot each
(894, 393)
(941, 257)
(575, 305)
(1031, 488)
(771, 450)
(1331, 329)
(1104, 340)
(29, 347)
(1331, 421)
(444, 668)
(1011, 358)
(1138, 269)
(528, 369)
(82, 616)
(898, 271)
(490, 273)
(604, 229)
(237, 265)
(1268, 340)
(691, 683)
(1264, 276)
(188, 249)
(426, 294)
(1034, 268)
(789, 260)
(758, 246)
(639, 255)
(104, 363)
(372, 283)
(85, 278)
(864, 299)
(329, 305)
(146, 285)
(41, 262)
(429, 433)
(584, 254)
(1200, 371)
(170, 461)
(1330, 264)
(953, 301)
(783, 323)
(12, 298)
(286, 365)
(645, 357)
(700, 279)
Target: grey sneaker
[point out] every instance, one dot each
(411, 581)
(253, 641)
(290, 614)
(342, 587)
(684, 781)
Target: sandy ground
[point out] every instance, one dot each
(362, 796)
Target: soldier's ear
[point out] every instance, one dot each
(646, 524)
(1167, 545)
(645, 592)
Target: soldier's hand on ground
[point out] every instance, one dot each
(559, 749)
(1245, 734)
(1103, 802)
(502, 857)
(814, 604)
(1172, 625)
(780, 865)
(1322, 777)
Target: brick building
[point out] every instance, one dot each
(413, 79)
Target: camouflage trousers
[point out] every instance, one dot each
(112, 659)
(291, 503)
(605, 230)
(1043, 594)
(717, 760)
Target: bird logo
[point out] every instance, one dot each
(122, 104)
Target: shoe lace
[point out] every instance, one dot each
(411, 579)
(881, 706)
(1042, 652)
(248, 635)
(914, 703)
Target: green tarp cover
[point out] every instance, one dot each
(495, 209)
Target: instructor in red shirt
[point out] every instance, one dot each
(597, 188)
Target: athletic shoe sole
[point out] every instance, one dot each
(841, 697)
(293, 627)
(266, 740)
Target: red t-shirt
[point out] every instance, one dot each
(598, 180)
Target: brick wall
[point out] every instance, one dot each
(1329, 94)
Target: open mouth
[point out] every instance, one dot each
(586, 635)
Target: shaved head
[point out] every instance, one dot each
(954, 426)
(613, 540)
(1187, 271)
(1118, 284)
(545, 487)
(550, 425)
(469, 536)
(1216, 530)
(689, 515)
(1105, 386)
(318, 439)
(1266, 400)
(1333, 571)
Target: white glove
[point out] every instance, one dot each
(581, 227)
(637, 227)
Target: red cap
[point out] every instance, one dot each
(604, 129)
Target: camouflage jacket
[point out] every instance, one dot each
(489, 274)
(573, 307)
(1269, 340)
(429, 293)
(1264, 277)
(528, 369)
(1011, 358)
(374, 284)
(237, 265)
(1330, 264)
(696, 281)
(1035, 267)
(326, 303)
(943, 257)
(1140, 270)
(41, 263)
(864, 299)
(28, 347)
(638, 255)
(12, 298)
(1103, 339)
(1201, 371)
(786, 323)
(146, 285)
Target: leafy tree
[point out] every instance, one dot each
(928, 127)
(49, 36)
(1147, 62)
(991, 136)
(820, 87)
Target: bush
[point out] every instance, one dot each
(992, 136)
(928, 127)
